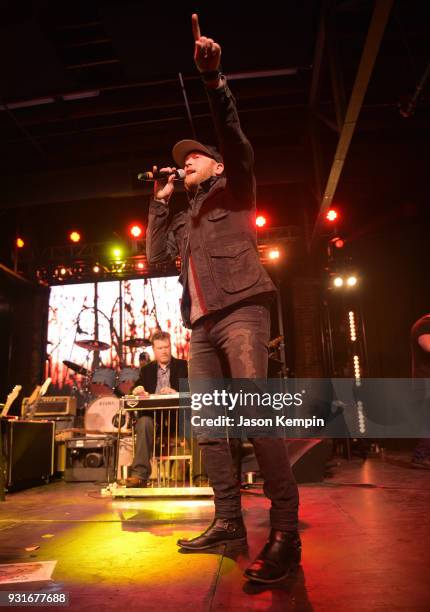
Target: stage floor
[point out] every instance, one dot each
(364, 547)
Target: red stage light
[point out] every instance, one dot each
(274, 254)
(140, 265)
(20, 243)
(136, 231)
(75, 236)
(260, 221)
(332, 215)
(339, 243)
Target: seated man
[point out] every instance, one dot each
(159, 376)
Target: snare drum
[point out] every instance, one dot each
(127, 378)
(103, 381)
(102, 415)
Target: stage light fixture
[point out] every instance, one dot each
(96, 269)
(136, 231)
(352, 326)
(274, 254)
(360, 415)
(351, 281)
(140, 265)
(75, 236)
(63, 271)
(338, 281)
(260, 221)
(117, 252)
(357, 369)
(20, 243)
(339, 243)
(332, 215)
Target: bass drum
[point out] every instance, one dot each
(102, 415)
(127, 378)
(102, 382)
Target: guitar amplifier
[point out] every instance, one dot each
(52, 405)
(90, 459)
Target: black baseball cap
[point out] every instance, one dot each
(184, 147)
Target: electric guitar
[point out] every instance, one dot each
(10, 400)
(38, 392)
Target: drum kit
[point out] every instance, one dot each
(103, 386)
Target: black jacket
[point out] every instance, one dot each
(148, 374)
(218, 227)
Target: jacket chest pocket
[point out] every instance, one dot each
(236, 266)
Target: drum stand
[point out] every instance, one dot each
(86, 386)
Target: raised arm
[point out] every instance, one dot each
(235, 147)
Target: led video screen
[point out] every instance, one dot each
(111, 312)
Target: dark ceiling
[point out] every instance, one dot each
(91, 94)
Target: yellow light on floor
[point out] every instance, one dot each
(98, 551)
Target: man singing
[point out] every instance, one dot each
(226, 302)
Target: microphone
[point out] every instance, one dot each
(153, 176)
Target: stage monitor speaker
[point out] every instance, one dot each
(28, 447)
(90, 459)
(308, 458)
(52, 405)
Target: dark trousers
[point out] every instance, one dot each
(233, 344)
(144, 430)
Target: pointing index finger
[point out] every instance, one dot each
(196, 26)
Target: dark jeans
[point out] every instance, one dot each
(144, 429)
(233, 344)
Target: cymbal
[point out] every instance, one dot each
(137, 343)
(76, 368)
(92, 345)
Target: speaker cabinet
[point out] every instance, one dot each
(308, 458)
(28, 448)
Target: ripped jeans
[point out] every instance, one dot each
(233, 344)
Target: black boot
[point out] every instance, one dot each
(280, 556)
(220, 531)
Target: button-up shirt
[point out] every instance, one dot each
(163, 377)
